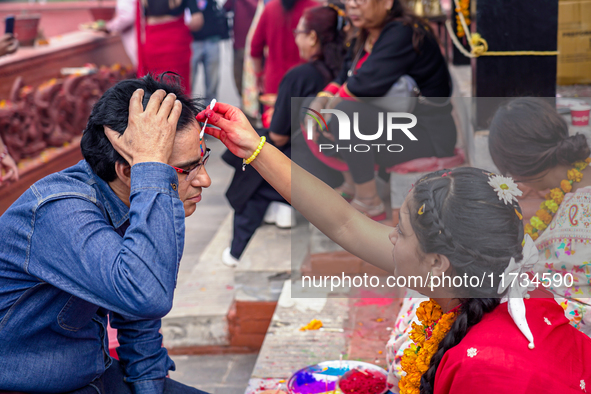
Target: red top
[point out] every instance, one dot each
(275, 31)
(494, 357)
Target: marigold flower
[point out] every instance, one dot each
(417, 334)
(423, 362)
(548, 196)
(313, 325)
(429, 312)
(432, 345)
(414, 378)
(528, 229)
(557, 195)
(574, 175)
(402, 385)
(406, 387)
(551, 206)
(566, 186)
(534, 236)
(580, 165)
(416, 359)
(408, 363)
(544, 216)
(538, 223)
(446, 322)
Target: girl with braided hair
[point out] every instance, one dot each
(530, 141)
(464, 222)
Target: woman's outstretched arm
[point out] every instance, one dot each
(319, 203)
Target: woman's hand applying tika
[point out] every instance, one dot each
(236, 132)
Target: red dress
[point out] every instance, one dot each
(275, 31)
(493, 358)
(164, 47)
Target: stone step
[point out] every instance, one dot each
(269, 260)
(203, 298)
(218, 306)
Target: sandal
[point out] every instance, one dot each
(374, 212)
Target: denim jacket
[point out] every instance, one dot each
(72, 254)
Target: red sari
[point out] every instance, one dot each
(164, 47)
(493, 358)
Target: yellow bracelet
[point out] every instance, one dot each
(325, 94)
(255, 154)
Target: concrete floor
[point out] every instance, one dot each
(215, 374)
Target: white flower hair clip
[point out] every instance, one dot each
(505, 187)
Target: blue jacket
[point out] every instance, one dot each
(73, 254)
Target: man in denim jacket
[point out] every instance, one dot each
(101, 239)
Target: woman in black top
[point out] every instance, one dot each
(391, 42)
(319, 38)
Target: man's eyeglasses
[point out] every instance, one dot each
(192, 173)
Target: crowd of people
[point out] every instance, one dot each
(338, 53)
(101, 242)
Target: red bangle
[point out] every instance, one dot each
(259, 74)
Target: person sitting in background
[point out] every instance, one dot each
(319, 38)
(100, 242)
(164, 40)
(391, 42)
(274, 31)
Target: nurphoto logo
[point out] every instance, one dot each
(392, 120)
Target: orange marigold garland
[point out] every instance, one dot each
(548, 208)
(464, 9)
(426, 337)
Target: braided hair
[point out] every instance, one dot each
(463, 219)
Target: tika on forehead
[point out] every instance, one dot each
(211, 105)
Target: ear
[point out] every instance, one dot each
(438, 263)
(123, 173)
(389, 4)
(313, 37)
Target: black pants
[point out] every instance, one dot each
(250, 218)
(111, 382)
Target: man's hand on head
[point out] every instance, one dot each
(150, 133)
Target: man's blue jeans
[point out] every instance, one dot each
(207, 52)
(111, 382)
